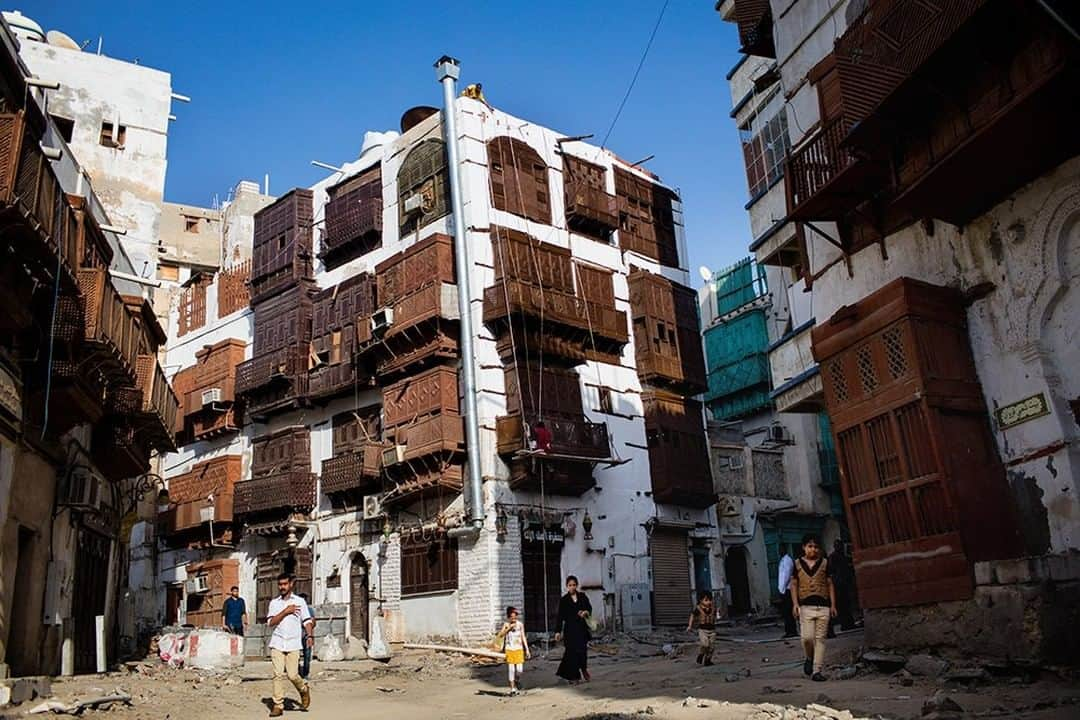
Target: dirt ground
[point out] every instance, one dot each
(756, 677)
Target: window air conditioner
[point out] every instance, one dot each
(372, 507)
(778, 434)
(381, 319)
(211, 396)
(84, 490)
(414, 203)
(393, 455)
(198, 585)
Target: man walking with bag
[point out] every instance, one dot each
(288, 615)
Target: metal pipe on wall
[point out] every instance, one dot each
(447, 70)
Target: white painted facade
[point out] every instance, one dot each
(1023, 334)
(789, 313)
(490, 571)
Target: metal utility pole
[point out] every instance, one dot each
(447, 70)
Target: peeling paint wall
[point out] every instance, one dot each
(130, 181)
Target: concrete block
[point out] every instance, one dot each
(984, 573)
(1014, 572)
(1063, 566)
(19, 690)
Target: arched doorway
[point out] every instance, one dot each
(358, 597)
(737, 580)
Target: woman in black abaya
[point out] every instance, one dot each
(571, 628)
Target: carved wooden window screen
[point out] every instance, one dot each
(424, 172)
(519, 179)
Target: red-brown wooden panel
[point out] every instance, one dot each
(519, 179)
(429, 261)
(525, 258)
(281, 252)
(432, 391)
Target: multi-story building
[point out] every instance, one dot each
(323, 417)
(927, 218)
(775, 477)
(84, 403)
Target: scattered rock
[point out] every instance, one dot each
(905, 678)
(886, 662)
(770, 690)
(940, 703)
(970, 676)
(846, 673)
(926, 665)
(733, 677)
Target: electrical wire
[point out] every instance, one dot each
(633, 80)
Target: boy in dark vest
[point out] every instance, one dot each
(814, 603)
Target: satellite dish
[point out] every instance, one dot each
(59, 39)
(706, 273)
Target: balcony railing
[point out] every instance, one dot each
(287, 491)
(590, 209)
(431, 435)
(155, 401)
(812, 172)
(275, 366)
(193, 513)
(510, 298)
(572, 436)
(353, 221)
(356, 470)
(29, 185)
(109, 329)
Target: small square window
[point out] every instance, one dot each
(65, 126)
(191, 224)
(113, 137)
(607, 404)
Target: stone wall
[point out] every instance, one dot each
(1026, 609)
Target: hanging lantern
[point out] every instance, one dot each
(386, 529)
(586, 525)
(500, 522)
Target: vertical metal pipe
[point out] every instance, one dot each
(447, 70)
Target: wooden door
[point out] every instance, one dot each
(358, 597)
(174, 595)
(91, 576)
(537, 564)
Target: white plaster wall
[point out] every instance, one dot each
(129, 181)
(490, 567)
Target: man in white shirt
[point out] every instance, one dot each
(783, 581)
(287, 615)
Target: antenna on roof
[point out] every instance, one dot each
(706, 273)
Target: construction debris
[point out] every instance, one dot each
(455, 649)
(103, 702)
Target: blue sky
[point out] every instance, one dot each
(275, 85)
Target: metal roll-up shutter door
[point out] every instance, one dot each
(671, 577)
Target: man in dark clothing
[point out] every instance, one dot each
(234, 613)
(844, 580)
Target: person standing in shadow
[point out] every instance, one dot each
(783, 583)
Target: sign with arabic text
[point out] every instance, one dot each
(1021, 411)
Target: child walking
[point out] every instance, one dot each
(516, 647)
(705, 615)
(813, 597)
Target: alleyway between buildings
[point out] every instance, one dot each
(755, 677)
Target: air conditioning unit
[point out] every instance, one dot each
(393, 455)
(381, 319)
(414, 203)
(85, 490)
(211, 396)
(779, 434)
(198, 585)
(372, 507)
